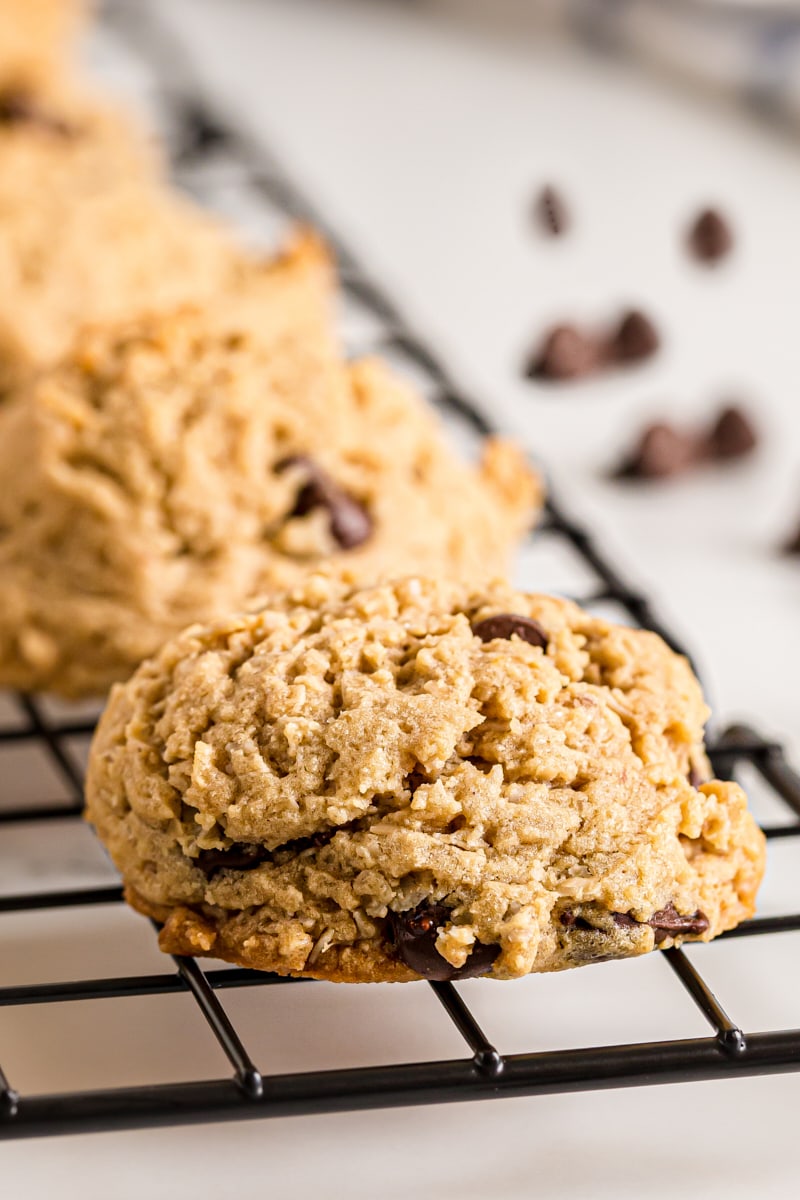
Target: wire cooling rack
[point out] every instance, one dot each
(210, 152)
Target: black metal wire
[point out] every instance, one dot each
(484, 1073)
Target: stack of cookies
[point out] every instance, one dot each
(345, 748)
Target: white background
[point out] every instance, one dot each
(424, 141)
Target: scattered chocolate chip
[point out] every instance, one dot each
(414, 935)
(710, 236)
(551, 211)
(565, 353)
(668, 921)
(18, 107)
(351, 525)
(505, 625)
(570, 921)
(732, 435)
(635, 338)
(792, 546)
(660, 452)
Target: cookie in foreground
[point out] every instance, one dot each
(419, 780)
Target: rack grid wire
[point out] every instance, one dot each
(203, 135)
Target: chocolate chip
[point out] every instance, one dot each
(710, 236)
(661, 451)
(565, 353)
(792, 546)
(624, 920)
(732, 435)
(552, 212)
(668, 921)
(505, 625)
(350, 522)
(635, 338)
(696, 776)
(238, 857)
(414, 936)
(243, 857)
(18, 107)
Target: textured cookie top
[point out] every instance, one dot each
(176, 467)
(296, 788)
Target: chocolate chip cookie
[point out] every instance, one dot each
(176, 467)
(419, 780)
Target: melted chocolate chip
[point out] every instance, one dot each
(710, 236)
(792, 545)
(668, 922)
(238, 857)
(18, 107)
(551, 212)
(414, 935)
(505, 625)
(350, 522)
(732, 435)
(570, 921)
(243, 857)
(662, 450)
(566, 352)
(635, 338)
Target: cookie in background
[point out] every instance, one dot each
(172, 468)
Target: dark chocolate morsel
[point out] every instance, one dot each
(732, 435)
(565, 353)
(668, 922)
(660, 452)
(551, 211)
(350, 522)
(243, 857)
(505, 625)
(414, 935)
(238, 857)
(792, 545)
(710, 236)
(635, 338)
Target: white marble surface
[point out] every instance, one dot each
(425, 142)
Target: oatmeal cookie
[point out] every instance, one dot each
(419, 780)
(175, 468)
